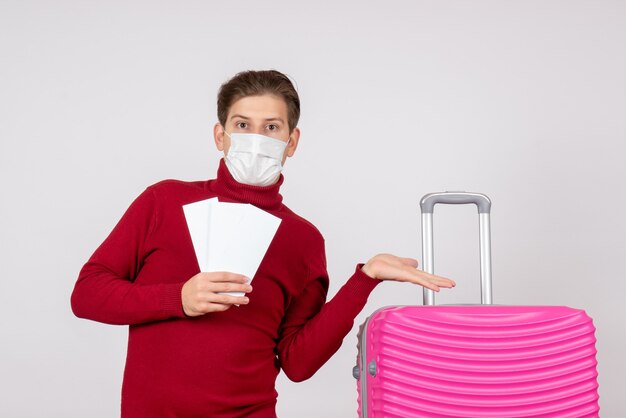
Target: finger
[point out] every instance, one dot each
(427, 280)
(225, 299)
(216, 307)
(409, 274)
(218, 287)
(201, 308)
(438, 280)
(226, 276)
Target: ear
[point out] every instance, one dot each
(294, 137)
(218, 136)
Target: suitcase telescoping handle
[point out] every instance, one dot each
(483, 203)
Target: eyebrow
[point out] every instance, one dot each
(236, 115)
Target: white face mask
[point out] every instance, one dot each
(255, 159)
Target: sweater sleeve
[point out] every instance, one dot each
(313, 330)
(105, 290)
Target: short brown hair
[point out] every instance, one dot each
(257, 83)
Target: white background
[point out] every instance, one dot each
(521, 100)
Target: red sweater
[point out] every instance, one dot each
(221, 364)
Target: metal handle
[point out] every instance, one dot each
(455, 198)
(483, 204)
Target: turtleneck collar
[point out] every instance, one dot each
(263, 197)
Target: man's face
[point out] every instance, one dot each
(264, 115)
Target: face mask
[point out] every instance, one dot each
(255, 159)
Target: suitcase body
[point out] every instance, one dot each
(476, 360)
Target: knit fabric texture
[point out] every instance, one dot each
(220, 364)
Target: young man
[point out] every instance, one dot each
(190, 352)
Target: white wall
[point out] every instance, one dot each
(522, 100)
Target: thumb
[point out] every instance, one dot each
(409, 261)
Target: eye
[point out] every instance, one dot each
(272, 127)
(241, 125)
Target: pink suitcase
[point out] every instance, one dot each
(475, 360)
